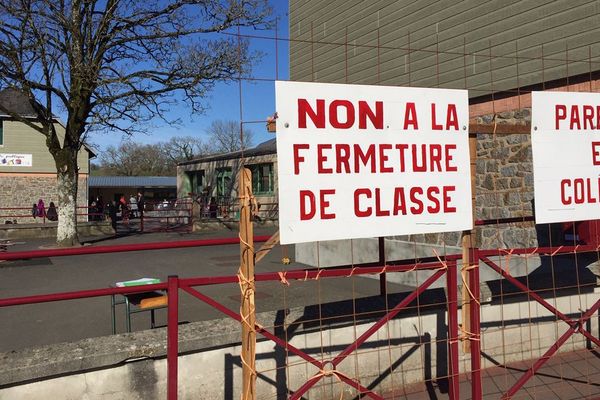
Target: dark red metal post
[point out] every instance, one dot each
(382, 277)
(452, 289)
(475, 334)
(172, 336)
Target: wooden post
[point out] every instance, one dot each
(246, 276)
(467, 242)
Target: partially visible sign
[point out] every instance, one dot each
(15, 160)
(565, 136)
(360, 161)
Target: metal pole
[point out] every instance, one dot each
(382, 277)
(172, 336)
(246, 276)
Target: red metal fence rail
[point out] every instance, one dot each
(446, 265)
(188, 285)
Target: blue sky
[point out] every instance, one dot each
(258, 97)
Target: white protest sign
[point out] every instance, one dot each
(565, 140)
(360, 161)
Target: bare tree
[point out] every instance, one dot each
(225, 136)
(159, 159)
(132, 159)
(113, 64)
(184, 148)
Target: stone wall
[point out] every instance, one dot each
(22, 190)
(504, 183)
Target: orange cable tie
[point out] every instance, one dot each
(352, 272)
(444, 264)
(283, 279)
(556, 251)
(338, 375)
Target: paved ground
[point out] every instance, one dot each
(566, 376)
(30, 325)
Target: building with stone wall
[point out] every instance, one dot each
(499, 52)
(27, 169)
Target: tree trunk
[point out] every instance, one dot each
(66, 234)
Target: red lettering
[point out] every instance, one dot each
(566, 200)
(297, 158)
(342, 157)
(415, 159)
(596, 153)
(588, 117)
(578, 191)
(431, 196)
(365, 158)
(383, 158)
(560, 113)
(317, 117)
(410, 116)
(378, 211)
(415, 200)
(325, 203)
(590, 199)
(452, 117)
(435, 157)
(333, 114)
(448, 157)
(307, 213)
(357, 211)
(321, 159)
(399, 201)
(575, 118)
(402, 151)
(365, 111)
(447, 199)
(435, 126)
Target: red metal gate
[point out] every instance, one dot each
(329, 367)
(166, 216)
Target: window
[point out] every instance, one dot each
(262, 178)
(196, 181)
(223, 181)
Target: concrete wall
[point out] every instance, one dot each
(409, 349)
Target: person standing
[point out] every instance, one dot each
(112, 214)
(140, 204)
(99, 209)
(124, 210)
